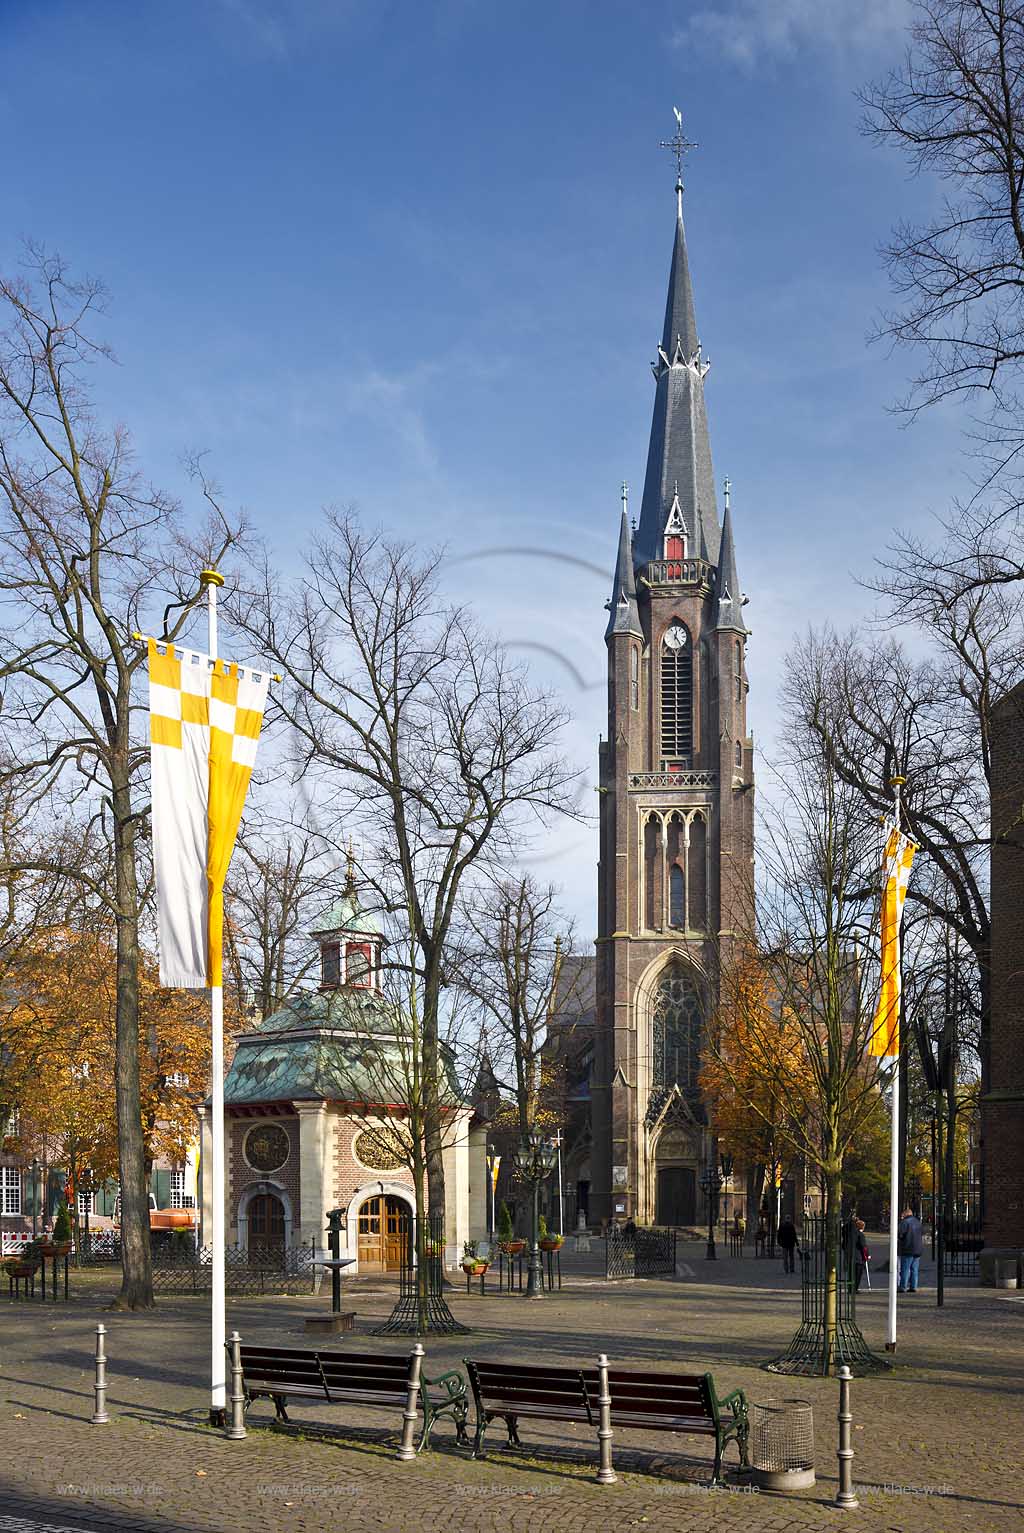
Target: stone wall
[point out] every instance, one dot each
(1003, 1105)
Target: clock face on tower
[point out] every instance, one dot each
(675, 637)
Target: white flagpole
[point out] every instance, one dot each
(218, 1359)
(894, 1148)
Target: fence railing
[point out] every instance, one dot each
(643, 1252)
(247, 1269)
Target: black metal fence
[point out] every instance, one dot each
(643, 1252)
(962, 1237)
(813, 1350)
(422, 1308)
(182, 1269)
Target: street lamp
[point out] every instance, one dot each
(534, 1160)
(711, 1183)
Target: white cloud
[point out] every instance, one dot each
(750, 32)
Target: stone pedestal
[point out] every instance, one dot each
(330, 1325)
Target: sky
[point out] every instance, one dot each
(412, 258)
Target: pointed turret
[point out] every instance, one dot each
(623, 616)
(680, 321)
(729, 609)
(679, 455)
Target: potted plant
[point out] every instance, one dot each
(547, 1240)
(473, 1264)
(62, 1231)
(507, 1240)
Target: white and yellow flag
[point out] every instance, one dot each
(204, 724)
(897, 859)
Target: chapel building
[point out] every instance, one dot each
(675, 877)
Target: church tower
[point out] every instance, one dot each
(675, 878)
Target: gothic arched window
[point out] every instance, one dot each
(739, 670)
(634, 676)
(676, 1031)
(676, 897)
(676, 693)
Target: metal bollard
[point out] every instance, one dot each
(99, 1414)
(605, 1474)
(236, 1415)
(845, 1496)
(406, 1450)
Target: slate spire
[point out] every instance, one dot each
(623, 616)
(729, 608)
(679, 454)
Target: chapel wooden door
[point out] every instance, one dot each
(383, 1230)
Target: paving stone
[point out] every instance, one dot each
(937, 1439)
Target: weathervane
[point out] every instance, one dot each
(680, 146)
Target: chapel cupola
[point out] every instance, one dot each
(350, 942)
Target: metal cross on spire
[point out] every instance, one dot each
(680, 146)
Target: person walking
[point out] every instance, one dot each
(909, 1246)
(861, 1254)
(788, 1242)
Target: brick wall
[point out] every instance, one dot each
(241, 1175)
(1003, 1107)
(349, 1172)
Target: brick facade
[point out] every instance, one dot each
(675, 876)
(1003, 1106)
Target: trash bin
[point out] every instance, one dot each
(782, 1444)
(1006, 1273)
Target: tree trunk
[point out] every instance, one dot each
(833, 1203)
(137, 1270)
(433, 1128)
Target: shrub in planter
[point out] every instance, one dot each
(472, 1262)
(547, 1240)
(62, 1231)
(507, 1240)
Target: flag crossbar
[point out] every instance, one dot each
(194, 656)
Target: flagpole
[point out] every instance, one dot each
(218, 1361)
(894, 1148)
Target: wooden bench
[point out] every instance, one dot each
(354, 1378)
(677, 1402)
(650, 1402)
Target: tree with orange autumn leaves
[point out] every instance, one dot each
(57, 1033)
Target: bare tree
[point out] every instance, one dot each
(416, 725)
(512, 963)
(277, 885)
(956, 110)
(800, 1004)
(89, 553)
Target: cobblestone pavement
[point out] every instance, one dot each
(937, 1439)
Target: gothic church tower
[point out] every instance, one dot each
(675, 879)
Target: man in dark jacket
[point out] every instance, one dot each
(788, 1242)
(910, 1245)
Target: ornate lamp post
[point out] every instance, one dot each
(35, 1196)
(711, 1183)
(534, 1160)
(726, 1163)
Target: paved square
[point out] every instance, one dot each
(937, 1440)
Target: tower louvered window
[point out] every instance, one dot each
(676, 694)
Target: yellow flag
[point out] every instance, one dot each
(204, 722)
(897, 860)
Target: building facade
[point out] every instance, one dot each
(675, 878)
(1002, 1106)
(315, 1113)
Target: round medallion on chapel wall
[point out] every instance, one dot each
(380, 1149)
(266, 1147)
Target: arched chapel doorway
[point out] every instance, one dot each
(265, 1214)
(383, 1228)
(676, 1195)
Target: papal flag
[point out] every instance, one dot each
(204, 723)
(896, 863)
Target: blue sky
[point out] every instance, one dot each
(413, 257)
